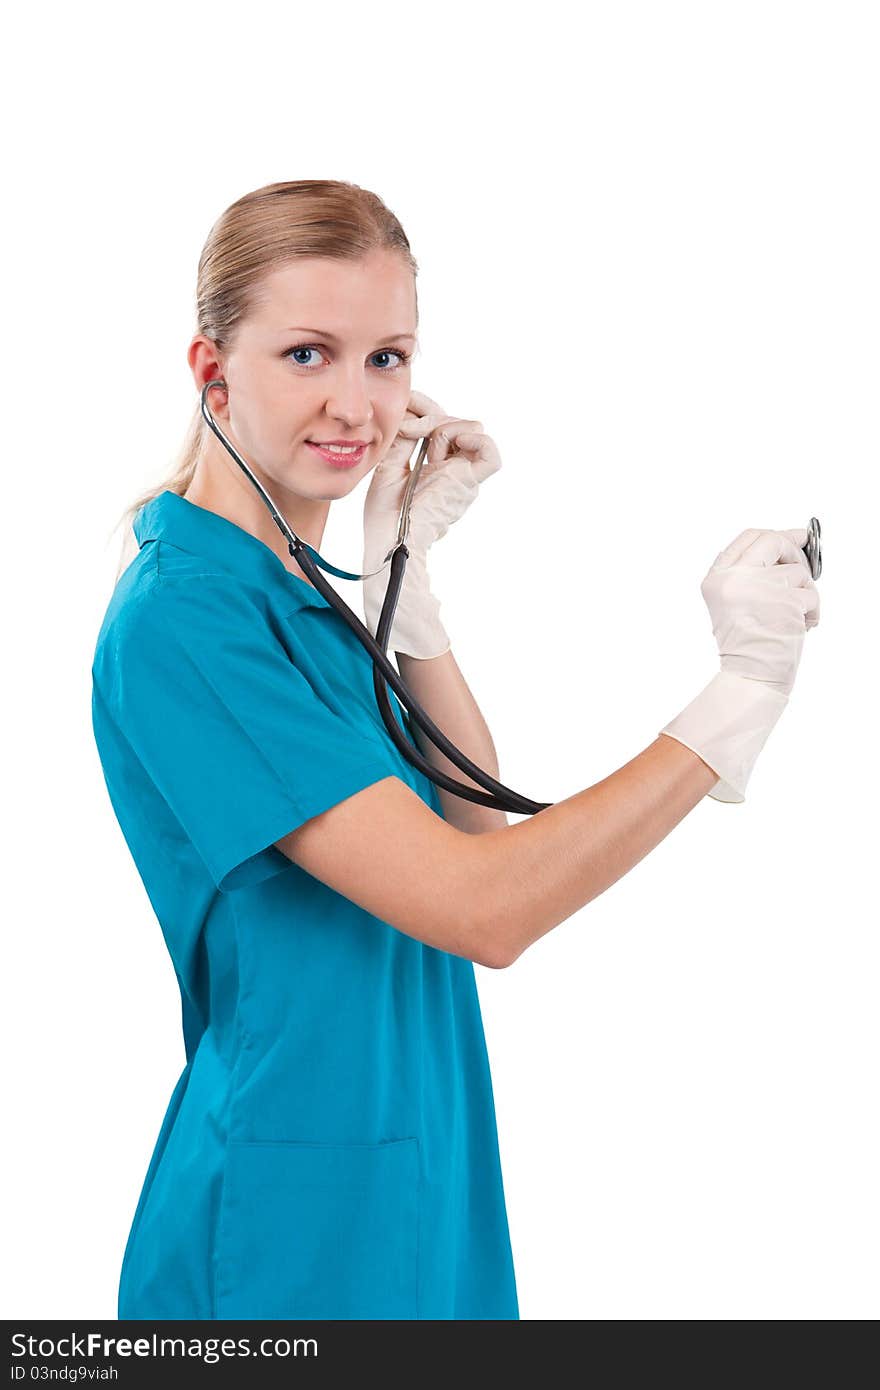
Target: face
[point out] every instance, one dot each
(323, 357)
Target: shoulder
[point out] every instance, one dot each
(184, 607)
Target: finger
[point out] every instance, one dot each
(396, 460)
(414, 426)
(453, 488)
(808, 596)
(798, 534)
(394, 463)
(793, 578)
(420, 404)
(775, 547)
(481, 450)
(730, 554)
(797, 574)
(798, 537)
(757, 547)
(444, 437)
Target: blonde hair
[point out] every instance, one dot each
(256, 235)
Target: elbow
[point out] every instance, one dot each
(496, 954)
(461, 935)
(475, 945)
(496, 962)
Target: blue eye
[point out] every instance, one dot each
(304, 348)
(403, 357)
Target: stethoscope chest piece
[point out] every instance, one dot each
(813, 547)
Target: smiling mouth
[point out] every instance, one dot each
(335, 444)
(339, 455)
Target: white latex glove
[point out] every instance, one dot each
(762, 600)
(460, 457)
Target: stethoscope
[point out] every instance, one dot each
(500, 797)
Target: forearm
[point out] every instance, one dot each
(533, 875)
(439, 686)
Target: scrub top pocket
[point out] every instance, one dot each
(311, 1230)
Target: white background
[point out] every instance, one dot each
(647, 237)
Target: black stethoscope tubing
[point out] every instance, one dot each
(499, 796)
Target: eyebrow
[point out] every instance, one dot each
(323, 333)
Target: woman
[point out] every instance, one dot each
(330, 1149)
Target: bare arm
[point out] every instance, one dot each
(489, 896)
(441, 689)
(542, 870)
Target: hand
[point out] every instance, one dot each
(460, 457)
(762, 600)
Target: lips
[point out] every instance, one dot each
(346, 443)
(346, 459)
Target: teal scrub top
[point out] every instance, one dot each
(330, 1148)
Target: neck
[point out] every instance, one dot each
(230, 494)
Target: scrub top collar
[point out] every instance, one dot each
(184, 524)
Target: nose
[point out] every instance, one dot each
(350, 401)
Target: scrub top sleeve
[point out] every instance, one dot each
(229, 730)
